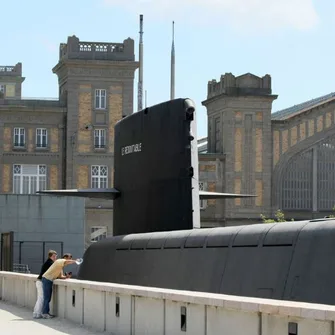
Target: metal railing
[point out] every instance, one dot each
(21, 268)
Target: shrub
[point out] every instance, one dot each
(279, 217)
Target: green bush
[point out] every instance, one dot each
(332, 215)
(279, 217)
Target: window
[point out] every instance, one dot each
(99, 175)
(28, 179)
(297, 183)
(19, 137)
(99, 138)
(202, 187)
(2, 91)
(308, 179)
(98, 233)
(41, 138)
(100, 99)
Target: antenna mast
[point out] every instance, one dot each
(140, 74)
(172, 66)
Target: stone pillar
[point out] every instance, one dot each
(244, 104)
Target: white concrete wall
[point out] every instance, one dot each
(143, 310)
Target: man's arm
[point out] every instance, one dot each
(61, 276)
(67, 262)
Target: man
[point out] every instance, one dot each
(52, 256)
(54, 272)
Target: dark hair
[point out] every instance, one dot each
(67, 256)
(51, 253)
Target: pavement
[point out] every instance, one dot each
(16, 320)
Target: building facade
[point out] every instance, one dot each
(69, 142)
(286, 158)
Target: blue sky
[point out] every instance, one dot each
(292, 40)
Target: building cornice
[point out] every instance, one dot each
(224, 95)
(96, 64)
(10, 109)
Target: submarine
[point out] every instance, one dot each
(157, 238)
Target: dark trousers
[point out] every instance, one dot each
(47, 293)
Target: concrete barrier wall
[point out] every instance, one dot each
(122, 309)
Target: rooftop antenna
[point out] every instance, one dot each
(172, 65)
(146, 99)
(140, 74)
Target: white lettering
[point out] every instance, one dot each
(131, 149)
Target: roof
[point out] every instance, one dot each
(297, 109)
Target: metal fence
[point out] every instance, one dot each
(21, 268)
(25, 256)
(34, 253)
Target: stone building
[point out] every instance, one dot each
(68, 142)
(286, 158)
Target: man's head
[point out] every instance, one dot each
(52, 254)
(67, 256)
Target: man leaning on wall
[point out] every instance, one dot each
(52, 256)
(55, 272)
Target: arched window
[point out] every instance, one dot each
(308, 181)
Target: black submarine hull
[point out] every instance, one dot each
(285, 261)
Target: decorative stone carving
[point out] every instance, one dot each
(36, 119)
(100, 72)
(30, 154)
(100, 118)
(97, 156)
(240, 104)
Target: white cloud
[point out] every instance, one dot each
(243, 15)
